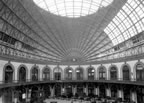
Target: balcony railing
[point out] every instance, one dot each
(127, 52)
(13, 52)
(42, 81)
(6, 50)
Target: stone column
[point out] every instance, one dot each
(74, 89)
(86, 89)
(108, 92)
(120, 93)
(1, 99)
(134, 96)
(97, 91)
(52, 90)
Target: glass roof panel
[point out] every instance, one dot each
(73, 8)
(111, 37)
(125, 35)
(129, 20)
(115, 41)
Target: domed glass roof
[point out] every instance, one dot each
(72, 8)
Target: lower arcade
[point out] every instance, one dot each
(38, 93)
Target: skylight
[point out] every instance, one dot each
(72, 8)
(127, 23)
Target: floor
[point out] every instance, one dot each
(63, 101)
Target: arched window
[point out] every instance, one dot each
(46, 74)
(139, 72)
(35, 74)
(22, 74)
(102, 73)
(91, 73)
(126, 73)
(8, 74)
(79, 73)
(68, 74)
(57, 73)
(113, 73)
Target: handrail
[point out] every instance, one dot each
(30, 82)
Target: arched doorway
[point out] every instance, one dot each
(22, 94)
(80, 90)
(126, 92)
(113, 73)
(139, 72)
(46, 74)
(79, 73)
(58, 90)
(102, 73)
(114, 92)
(91, 73)
(69, 92)
(140, 94)
(8, 98)
(68, 73)
(46, 90)
(34, 94)
(91, 90)
(8, 74)
(102, 91)
(22, 74)
(34, 74)
(57, 73)
(126, 72)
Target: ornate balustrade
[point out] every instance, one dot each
(51, 81)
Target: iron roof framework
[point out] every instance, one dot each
(80, 37)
